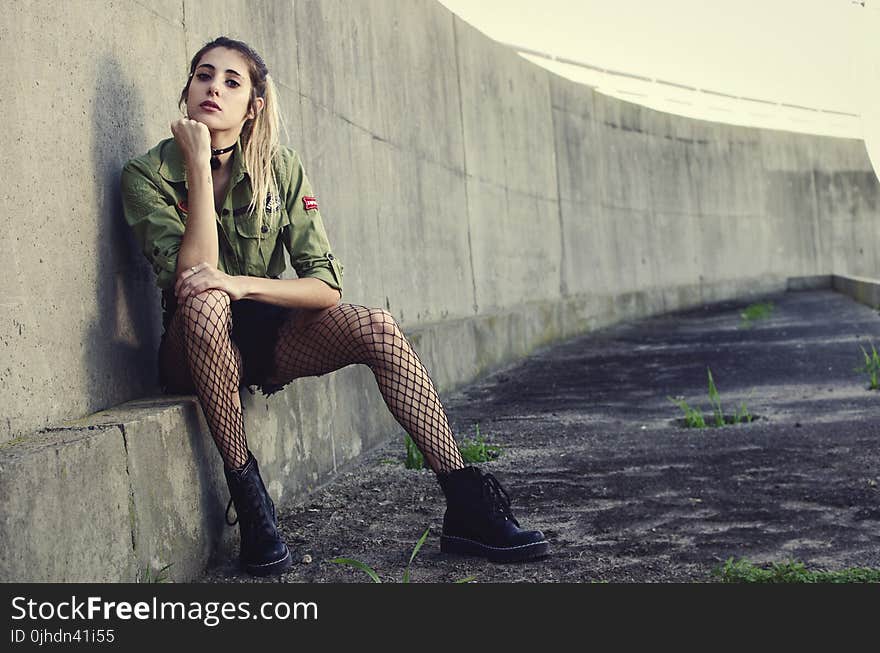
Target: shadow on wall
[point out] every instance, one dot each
(119, 352)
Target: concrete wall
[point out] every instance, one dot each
(491, 206)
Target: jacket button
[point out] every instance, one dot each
(330, 256)
(264, 228)
(225, 212)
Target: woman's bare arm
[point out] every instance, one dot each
(293, 293)
(199, 242)
(308, 292)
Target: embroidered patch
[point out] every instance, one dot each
(272, 203)
(182, 205)
(310, 203)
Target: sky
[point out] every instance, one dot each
(819, 55)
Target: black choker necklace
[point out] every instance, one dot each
(215, 162)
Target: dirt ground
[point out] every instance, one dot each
(595, 454)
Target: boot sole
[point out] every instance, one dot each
(270, 568)
(464, 546)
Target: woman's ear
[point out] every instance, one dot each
(259, 103)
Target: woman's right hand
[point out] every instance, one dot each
(194, 141)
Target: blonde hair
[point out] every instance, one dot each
(260, 136)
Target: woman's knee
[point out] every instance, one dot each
(381, 322)
(380, 331)
(207, 312)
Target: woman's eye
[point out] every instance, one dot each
(233, 83)
(202, 76)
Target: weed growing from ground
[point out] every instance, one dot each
(693, 417)
(473, 450)
(159, 576)
(414, 457)
(369, 571)
(742, 414)
(715, 400)
(477, 450)
(754, 312)
(871, 366)
(791, 571)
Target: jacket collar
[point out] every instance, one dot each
(172, 167)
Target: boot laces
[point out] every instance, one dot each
(255, 505)
(497, 498)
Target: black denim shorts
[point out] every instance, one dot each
(255, 327)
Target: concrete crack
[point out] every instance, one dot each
(132, 513)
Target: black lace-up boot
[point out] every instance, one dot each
(478, 520)
(262, 552)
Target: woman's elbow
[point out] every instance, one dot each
(334, 296)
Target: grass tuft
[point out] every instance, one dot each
(369, 571)
(754, 312)
(871, 367)
(694, 418)
(477, 450)
(790, 571)
(473, 450)
(414, 457)
(159, 576)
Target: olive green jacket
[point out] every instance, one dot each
(154, 198)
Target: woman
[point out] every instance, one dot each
(214, 208)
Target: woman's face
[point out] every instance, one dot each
(219, 93)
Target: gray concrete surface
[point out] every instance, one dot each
(491, 206)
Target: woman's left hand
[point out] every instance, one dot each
(205, 276)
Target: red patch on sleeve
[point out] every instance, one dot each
(182, 205)
(310, 203)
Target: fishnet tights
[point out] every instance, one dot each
(199, 334)
(310, 343)
(347, 334)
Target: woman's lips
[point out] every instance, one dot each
(210, 106)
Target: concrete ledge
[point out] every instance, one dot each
(177, 499)
(67, 512)
(815, 282)
(113, 495)
(140, 486)
(862, 289)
